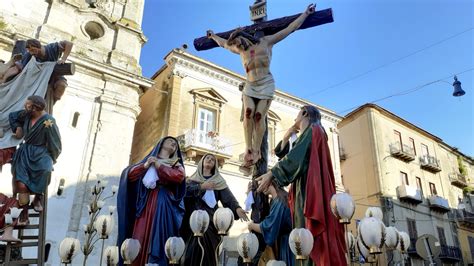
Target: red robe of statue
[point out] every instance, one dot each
(144, 224)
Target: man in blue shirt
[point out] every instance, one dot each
(58, 51)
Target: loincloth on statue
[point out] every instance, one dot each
(262, 89)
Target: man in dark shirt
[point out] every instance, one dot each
(33, 161)
(58, 51)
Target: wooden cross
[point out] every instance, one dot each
(261, 207)
(269, 27)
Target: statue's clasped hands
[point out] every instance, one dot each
(151, 160)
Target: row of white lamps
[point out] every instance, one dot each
(300, 240)
(372, 236)
(129, 250)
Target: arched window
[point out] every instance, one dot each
(273, 119)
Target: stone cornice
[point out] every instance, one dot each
(9, 38)
(112, 71)
(190, 65)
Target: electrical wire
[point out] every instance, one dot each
(388, 63)
(405, 92)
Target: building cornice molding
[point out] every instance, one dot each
(102, 68)
(375, 108)
(112, 71)
(190, 67)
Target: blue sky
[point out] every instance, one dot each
(369, 36)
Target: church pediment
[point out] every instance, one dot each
(273, 116)
(208, 93)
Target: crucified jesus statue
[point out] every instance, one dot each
(256, 53)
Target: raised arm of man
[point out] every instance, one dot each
(272, 39)
(67, 47)
(222, 42)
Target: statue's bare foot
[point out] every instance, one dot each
(23, 223)
(37, 204)
(256, 155)
(246, 171)
(23, 219)
(8, 235)
(248, 158)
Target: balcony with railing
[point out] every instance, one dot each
(195, 142)
(402, 152)
(409, 194)
(464, 218)
(458, 180)
(438, 204)
(450, 254)
(430, 163)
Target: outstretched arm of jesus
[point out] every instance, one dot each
(296, 24)
(222, 42)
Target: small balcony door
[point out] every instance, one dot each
(206, 123)
(424, 150)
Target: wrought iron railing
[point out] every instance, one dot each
(409, 193)
(450, 252)
(397, 147)
(438, 201)
(210, 141)
(429, 161)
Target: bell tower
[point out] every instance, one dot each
(108, 31)
(97, 114)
